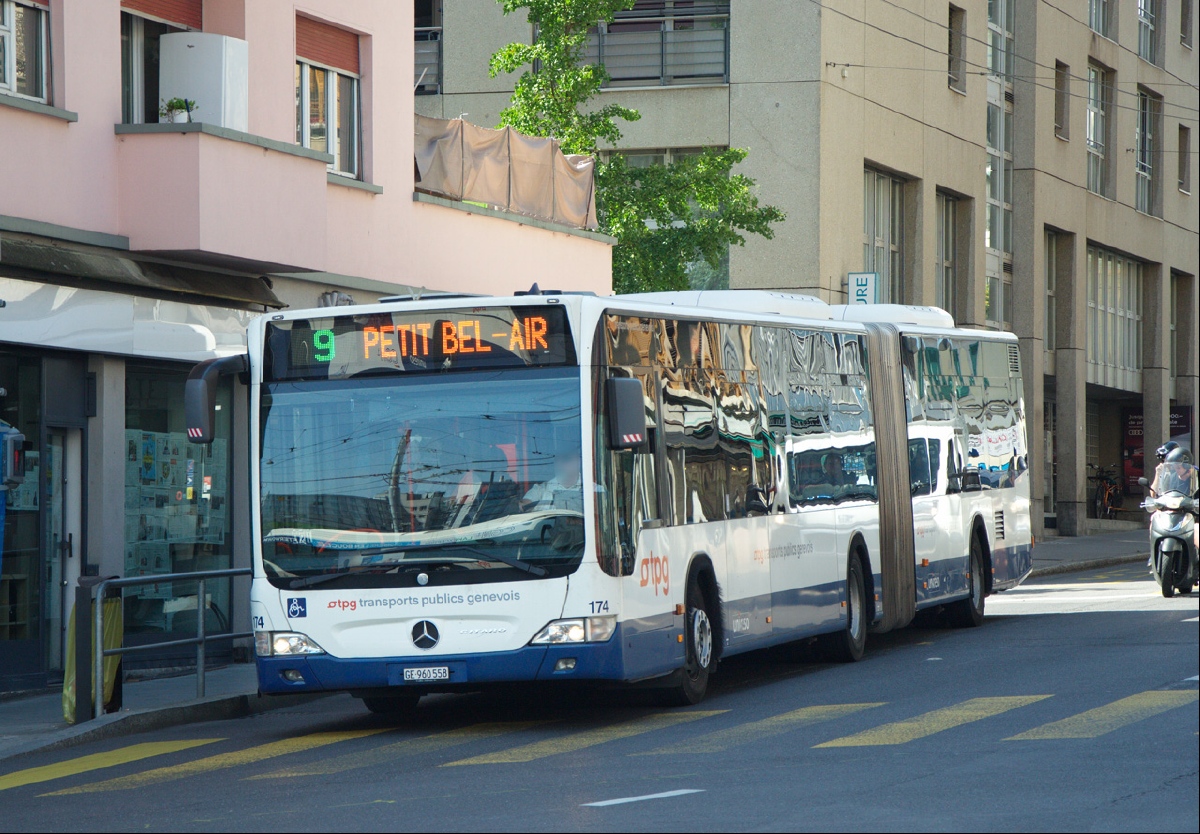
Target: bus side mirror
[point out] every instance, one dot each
(626, 413)
(970, 480)
(14, 459)
(200, 394)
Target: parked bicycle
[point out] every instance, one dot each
(1109, 496)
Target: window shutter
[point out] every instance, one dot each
(180, 12)
(325, 44)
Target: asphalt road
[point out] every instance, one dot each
(1074, 708)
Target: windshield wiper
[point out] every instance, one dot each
(320, 578)
(491, 557)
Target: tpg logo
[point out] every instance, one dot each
(343, 604)
(655, 570)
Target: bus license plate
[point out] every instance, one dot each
(428, 673)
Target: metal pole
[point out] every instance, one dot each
(98, 647)
(201, 610)
(83, 653)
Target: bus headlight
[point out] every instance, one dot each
(283, 643)
(576, 630)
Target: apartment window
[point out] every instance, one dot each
(998, 256)
(427, 47)
(1062, 100)
(24, 49)
(1098, 103)
(1100, 16)
(1185, 22)
(1145, 171)
(328, 111)
(1147, 14)
(956, 48)
(1114, 288)
(1174, 360)
(1001, 17)
(883, 233)
(945, 267)
(1184, 154)
(1050, 340)
(140, 67)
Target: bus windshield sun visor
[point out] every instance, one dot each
(200, 391)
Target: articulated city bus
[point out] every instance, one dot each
(455, 492)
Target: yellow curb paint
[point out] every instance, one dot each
(920, 726)
(588, 738)
(97, 761)
(1105, 719)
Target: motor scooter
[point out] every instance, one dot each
(1172, 544)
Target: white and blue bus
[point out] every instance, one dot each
(455, 492)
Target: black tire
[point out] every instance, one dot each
(968, 613)
(690, 684)
(1166, 576)
(396, 706)
(1186, 589)
(849, 644)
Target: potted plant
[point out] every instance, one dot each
(177, 110)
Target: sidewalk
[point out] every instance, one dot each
(36, 722)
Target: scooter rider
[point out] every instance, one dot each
(1161, 453)
(1177, 474)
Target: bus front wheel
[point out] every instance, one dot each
(968, 613)
(690, 683)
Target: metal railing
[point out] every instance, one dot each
(663, 50)
(427, 50)
(199, 641)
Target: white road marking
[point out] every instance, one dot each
(640, 798)
(1191, 620)
(1192, 678)
(1067, 597)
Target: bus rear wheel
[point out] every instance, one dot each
(849, 644)
(690, 683)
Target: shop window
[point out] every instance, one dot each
(177, 515)
(21, 522)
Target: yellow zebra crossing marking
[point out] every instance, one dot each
(756, 730)
(97, 761)
(410, 747)
(1105, 719)
(920, 726)
(223, 760)
(588, 738)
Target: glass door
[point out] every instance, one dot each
(60, 559)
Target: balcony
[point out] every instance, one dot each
(222, 197)
(427, 75)
(640, 50)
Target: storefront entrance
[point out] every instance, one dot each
(40, 550)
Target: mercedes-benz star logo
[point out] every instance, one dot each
(425, 635)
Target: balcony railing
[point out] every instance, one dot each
(427, 76)
(646, 51)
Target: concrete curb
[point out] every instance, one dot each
(1089, 564)
(129, 722)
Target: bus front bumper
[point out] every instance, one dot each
(325, 673)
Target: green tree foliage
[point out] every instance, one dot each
(666, 218)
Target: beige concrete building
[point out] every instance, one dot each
(1026, 165)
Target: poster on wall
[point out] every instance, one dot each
(1135, 455)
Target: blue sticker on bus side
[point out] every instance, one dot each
(297, 607)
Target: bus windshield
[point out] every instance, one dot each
(439, 479)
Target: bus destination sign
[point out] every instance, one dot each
(335, 347)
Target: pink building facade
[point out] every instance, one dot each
(134, 243)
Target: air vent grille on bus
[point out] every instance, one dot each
(1000, 524)
(1014, 359)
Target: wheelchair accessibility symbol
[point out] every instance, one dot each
(297, 607)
